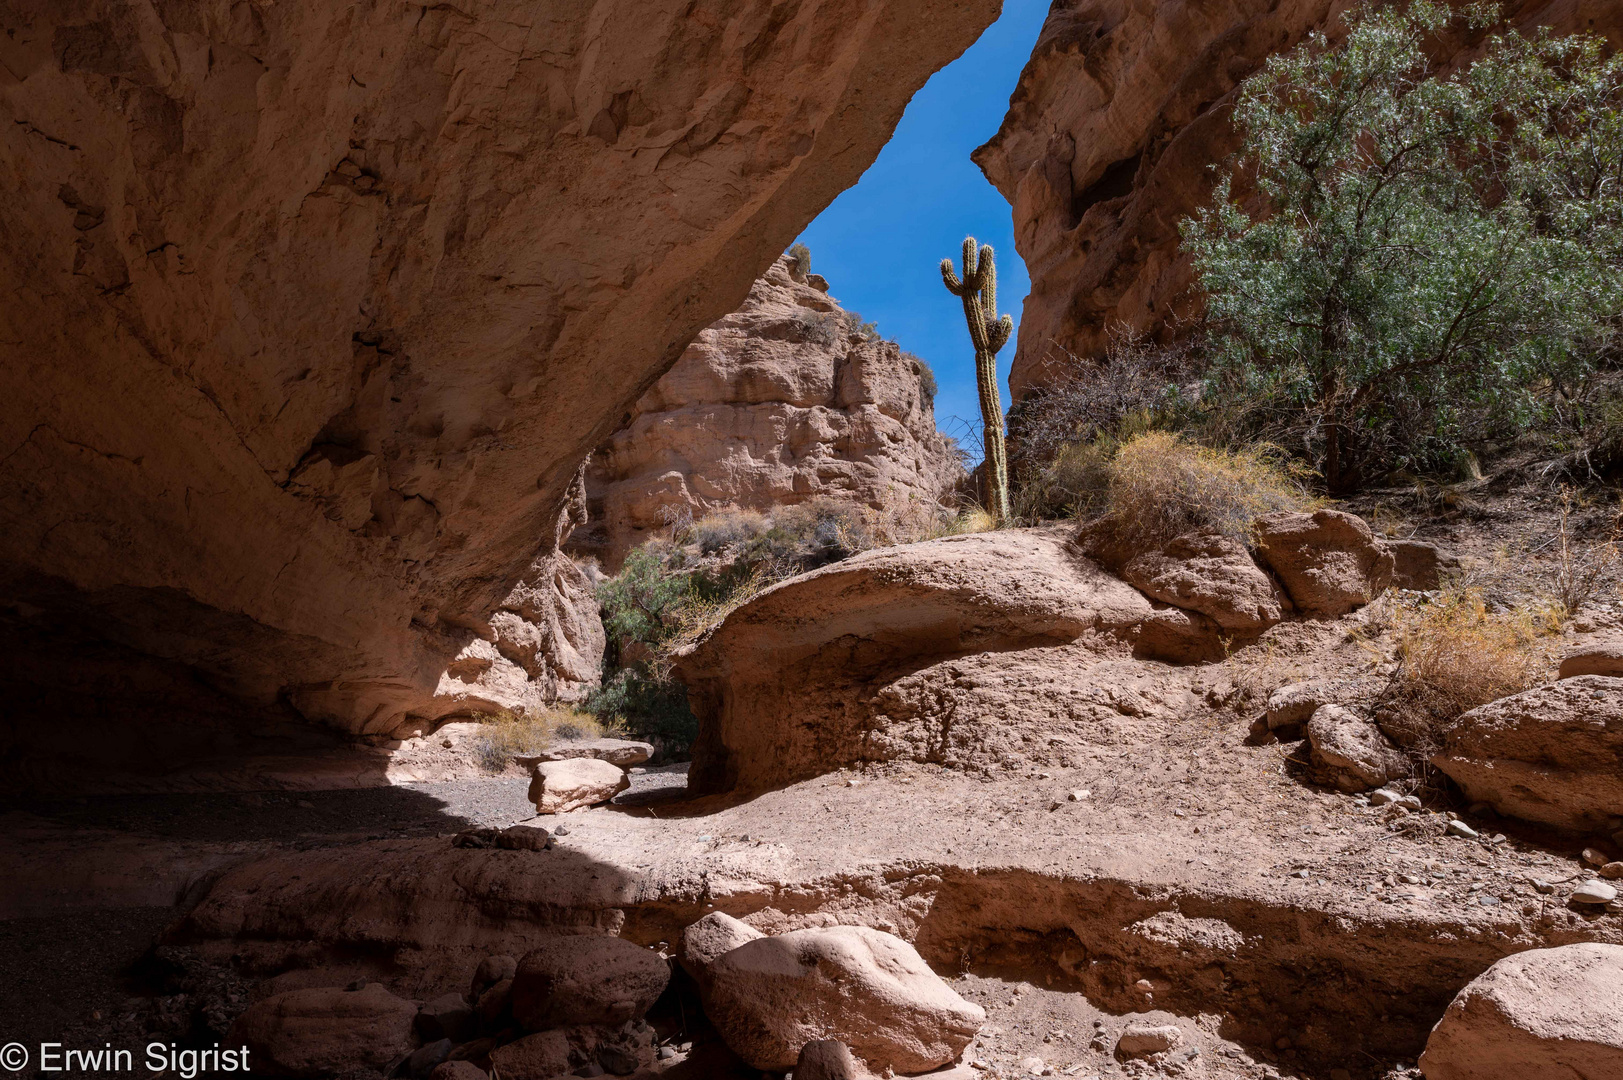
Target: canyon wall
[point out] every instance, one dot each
(787, 399)
(1109, 142)
(310, 311)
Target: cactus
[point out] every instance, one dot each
(989, 332)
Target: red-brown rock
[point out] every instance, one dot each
(786, 400)
(311, 312)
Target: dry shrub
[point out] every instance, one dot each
(1454, 655)
(506, 733)
(1159, 485)
(1582, 572)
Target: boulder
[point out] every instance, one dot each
(1598, 654)
(324, 1031)
(868, 989)
(523, 838)
(495, 1004)
(586, 979)
(1350, 752)
(561, 786)
(1213, 574)
(710, 938)
(795, 682)
(829, 1059)
(1142, 1040)
(426, 1058)
(1295, 704)
(1552, 754)
(1329, 561)
(544, 1055)
(1535, 1014)
(1418, 565)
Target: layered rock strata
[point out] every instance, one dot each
(787, 399)
(311, 311)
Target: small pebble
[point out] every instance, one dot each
(1540, 885)
(1461, 829)
(1409, 802)
(1591, 856)
(1613, 870)
(1079, 794)
(562, 830)
(1383, 796)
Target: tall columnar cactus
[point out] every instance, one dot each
(989, 332)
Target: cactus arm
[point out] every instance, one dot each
(950, 277)
(988, 282)
(1001, 330)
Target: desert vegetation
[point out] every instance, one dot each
(502, 735)
(1403, 271)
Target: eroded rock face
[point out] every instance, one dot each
(1108, 143)
(312, 310)
(861, 660)
(1551, 754)
(1543, 1012)
(783, 401)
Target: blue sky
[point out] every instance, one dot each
(881, 241)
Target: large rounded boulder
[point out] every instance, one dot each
(870, 990)
(1329, 561)
(1213, 574)
(1552, 754)
(586, 979)
(1541, 1013)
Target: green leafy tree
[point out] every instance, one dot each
(1395, 252)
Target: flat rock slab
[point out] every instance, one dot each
(622, 752)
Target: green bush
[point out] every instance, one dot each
(1434, 249)
(649, 706)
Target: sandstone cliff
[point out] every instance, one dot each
(785, 400)
(310, 311)
(1109, 139)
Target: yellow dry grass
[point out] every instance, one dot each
(506, 733)
(1160, 485)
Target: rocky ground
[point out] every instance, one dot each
(1147, 855)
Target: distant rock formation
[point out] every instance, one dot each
(785, 400)
(1108, 142)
